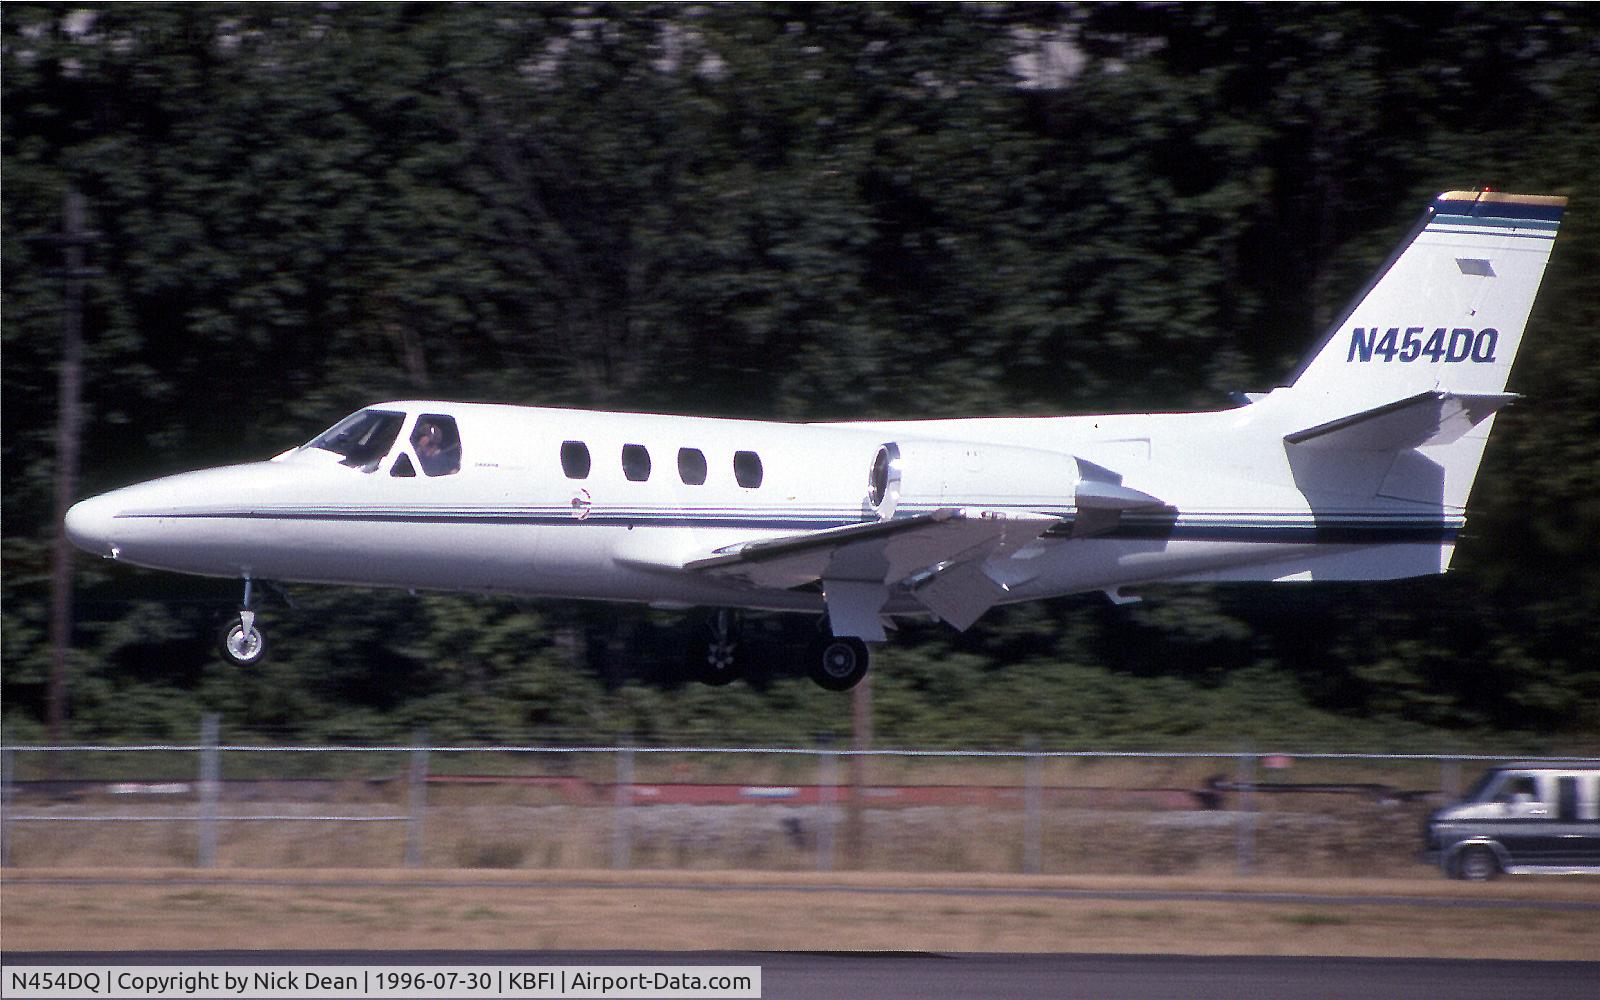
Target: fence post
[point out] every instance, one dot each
(827, 820)
(418, 799)
(1247, 815)
(210, 788)
(622, 831)
(7, 783)
(1032, 805)
(1450, 781)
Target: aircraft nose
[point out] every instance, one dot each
(89, 525)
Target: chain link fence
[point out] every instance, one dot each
(211, 804)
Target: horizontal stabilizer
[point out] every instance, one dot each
(1428, 418)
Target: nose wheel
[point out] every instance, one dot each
(242, 643)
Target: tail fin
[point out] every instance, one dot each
(1435, 331)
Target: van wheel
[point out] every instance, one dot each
(1477, 864)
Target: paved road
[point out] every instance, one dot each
(914, 975)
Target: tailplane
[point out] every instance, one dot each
(1418, 365)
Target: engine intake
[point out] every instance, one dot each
(925, 475)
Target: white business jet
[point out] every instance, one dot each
(1358, 469)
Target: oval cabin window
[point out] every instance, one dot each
(635, 462)
(747, 469)
(692, 466)
(575, 459)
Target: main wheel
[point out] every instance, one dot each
(241, 648)
(839, 662)
(1477, 864)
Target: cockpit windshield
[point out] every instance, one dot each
(361, 438)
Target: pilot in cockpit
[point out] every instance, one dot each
(436, 448)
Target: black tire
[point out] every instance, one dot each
(839, 662)
(240, 650)
(1477, 864)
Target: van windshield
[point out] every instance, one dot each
(1479, 792)
(361, 438)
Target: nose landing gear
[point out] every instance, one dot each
(242, 643)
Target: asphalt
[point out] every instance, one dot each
(916, 975)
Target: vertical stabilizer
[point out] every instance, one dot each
(1441, 321)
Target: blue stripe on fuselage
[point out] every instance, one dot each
(1327, 530)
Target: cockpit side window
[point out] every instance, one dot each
(361, 438)
(437, 444)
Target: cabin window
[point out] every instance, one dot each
(692, 466)
(361, 438)
(575, 459)
(747, 469)
(437, 444)
(635, 462)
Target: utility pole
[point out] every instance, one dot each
(73, 241)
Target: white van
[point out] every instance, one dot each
(1521, 819)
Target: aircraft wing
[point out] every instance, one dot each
(938, 556)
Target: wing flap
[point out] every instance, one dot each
(939, 556)
(850, 552)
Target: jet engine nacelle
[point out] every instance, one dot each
(924, 474)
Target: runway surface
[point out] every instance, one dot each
(916, 975)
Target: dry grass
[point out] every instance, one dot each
(388, 909)
(497, 828)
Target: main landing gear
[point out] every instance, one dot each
(838, 662)
(242, 642)
(722, 664)
(834, 662)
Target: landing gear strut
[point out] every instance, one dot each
(721, 664)
(242, 642)
(838, 662)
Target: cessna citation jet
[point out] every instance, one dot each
(1358, 469)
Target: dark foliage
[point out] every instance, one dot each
(793, 212)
